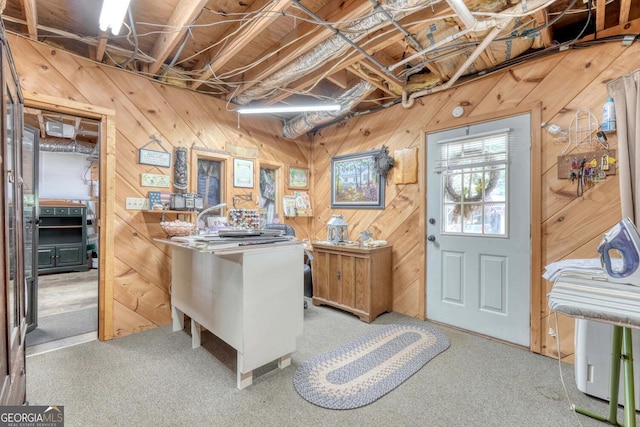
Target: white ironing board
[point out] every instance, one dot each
(591, 296)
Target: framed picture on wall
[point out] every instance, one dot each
(243, 173)
(355, 183)
(298, 178)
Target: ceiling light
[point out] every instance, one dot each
(288, 109)
(112, 15)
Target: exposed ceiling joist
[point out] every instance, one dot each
(31, 16)
(91, 41)
(175, 30)
(314, 35)
(600, 11)
(257, 26)
(101, 48)
(625, 9)
(267, 51)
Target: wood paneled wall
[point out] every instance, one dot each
(177, 117)
(571, 226)
(563, 83)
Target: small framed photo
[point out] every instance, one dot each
(298, 178)
(243, 173)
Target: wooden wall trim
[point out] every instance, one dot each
(107, 183)
(422, 190)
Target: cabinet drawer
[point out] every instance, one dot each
(47, 211)
(75, 211)
(61, 211)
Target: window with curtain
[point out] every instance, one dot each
(474, 184)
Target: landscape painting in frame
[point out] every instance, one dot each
(355, 182)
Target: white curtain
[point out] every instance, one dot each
(625, 92)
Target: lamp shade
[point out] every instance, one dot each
(337, 229)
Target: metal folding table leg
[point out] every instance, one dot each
(621, 351)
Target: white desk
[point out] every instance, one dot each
(249, 296)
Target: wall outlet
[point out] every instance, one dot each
(137, 203)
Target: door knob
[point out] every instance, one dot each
(431, 238)
(432, 221)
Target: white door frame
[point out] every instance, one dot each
(537, 296)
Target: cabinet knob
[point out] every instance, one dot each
(338, 274)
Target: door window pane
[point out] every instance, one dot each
(474, 184)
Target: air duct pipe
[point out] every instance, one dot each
(329, 49)
(307, 121)
(63, 145)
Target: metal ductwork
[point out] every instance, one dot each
(307, 121)
(63, 145)
(333, 47)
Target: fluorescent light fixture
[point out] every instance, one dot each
(288, 109)
(112, 15)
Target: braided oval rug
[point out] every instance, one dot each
(366, 369)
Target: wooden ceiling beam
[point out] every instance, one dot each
(91, 41)
(374, 81)
(183, 16)
(101, 48)
(231, 49)
(339, 78)
(334, 10)
(385, 60)
(545, 34)
(625, 7)
(600, 21)
(630, 27)
(375, 44)
(31, 16)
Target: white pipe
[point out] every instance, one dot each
(463, 12)
(480, 26)
(408, 102)
(432, 47)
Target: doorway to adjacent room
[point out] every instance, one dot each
(64, 205)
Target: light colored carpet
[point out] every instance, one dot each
(154, 378)
(63, 325)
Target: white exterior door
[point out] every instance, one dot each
(478, 221)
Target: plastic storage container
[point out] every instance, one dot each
(609, 116)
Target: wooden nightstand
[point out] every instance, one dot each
(353, 278)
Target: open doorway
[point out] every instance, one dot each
(63, 305)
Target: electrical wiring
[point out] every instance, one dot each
(135, 39)
(564, 386)
(181, 48)
(230, 78)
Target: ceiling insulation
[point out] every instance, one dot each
(292, 52)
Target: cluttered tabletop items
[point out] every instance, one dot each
(231, 239)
